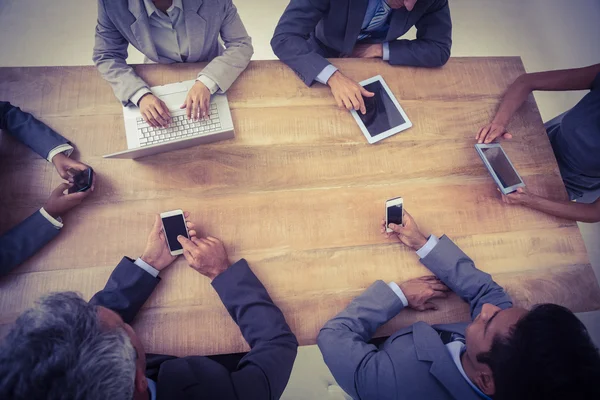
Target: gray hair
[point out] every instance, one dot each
(60, 350)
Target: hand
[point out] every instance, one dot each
(491, 132)
(421, 290)
(63, 164)
(368, 51)
(157, 252)
(155, 111)
(59, 203)
(408, 233)
(409, 4)
(347, 93)
(197, 102)
(521, 196)
(206, 255)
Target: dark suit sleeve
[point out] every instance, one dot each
(24, 240)
(290, 41)
(264, 372)
(30, 131)
(433, 43)
(126, 291)
(448, 262)
(357, 365)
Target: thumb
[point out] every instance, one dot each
(396, 228)
(157, 227)
(182, 106)
(61, 188)
(507, 136)
(366, 93)
(520, 190)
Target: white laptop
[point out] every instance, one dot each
(144, 140)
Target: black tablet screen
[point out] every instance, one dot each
(501, 166)
(382, 114)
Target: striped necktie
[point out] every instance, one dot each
(449, 337)
(379, 19)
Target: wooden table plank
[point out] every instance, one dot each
(298, 193)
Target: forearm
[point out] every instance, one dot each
(565, 209)
(513, 99)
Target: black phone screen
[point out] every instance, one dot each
(501, 166)
(382, 114)
(394, 214)
(174, 226)
(82, 181)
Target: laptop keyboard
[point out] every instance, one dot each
(179, 128)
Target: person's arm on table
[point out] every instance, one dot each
(265, 370)
(110, 55)
(453, 267)
(559, 208)
(27, 238)
(132, 282)
(521, 88)
(432, 46)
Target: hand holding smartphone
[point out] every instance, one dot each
(82, 180)
(173, 226)
(393, 212)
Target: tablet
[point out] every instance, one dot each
(500, 167)
(384, 116)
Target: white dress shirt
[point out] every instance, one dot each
(171, 41)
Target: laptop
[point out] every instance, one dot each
(144, 140)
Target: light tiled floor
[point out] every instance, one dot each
(547, 34)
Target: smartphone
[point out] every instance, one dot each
(82, 180)
(173, 226)
(393, 212)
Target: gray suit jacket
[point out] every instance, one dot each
(123, 22)
(311, 30)
(413, 363)
(25, 239)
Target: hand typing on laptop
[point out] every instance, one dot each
(197, 102)
(155, 111)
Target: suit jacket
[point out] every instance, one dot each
(123, 22)
(261, 374)
(310, 30)
(25, 239)
(413, 363)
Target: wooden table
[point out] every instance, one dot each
(299, 193)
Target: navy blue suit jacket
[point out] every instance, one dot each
(25, 239)
(311, 30)
(261, 374)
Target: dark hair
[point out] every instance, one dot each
(59, 350)
(548, 354)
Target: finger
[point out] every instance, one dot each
(355, 102)
(205, 241)
(156, 112)
(338, 101)
(157, 118)
(190, 225)
(188, 106)
(507, 136)
(186, 214)
(77, 197)
(188, 257)
(483, 133)
(186, 243)
(149, 118)
(493, 134)
(347, 103)
(192, 233)
(213, 239)
(366, 93)
(429, 306)
(164, 112)
(440, 287)
(363, 109)
(396, 228)
(429, 278)
(206, 108)
(479, 133)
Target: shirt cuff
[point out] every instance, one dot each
(324, 75)
(426, 249)
(146, 267)
(56, 222)
(386, 51)
(209, 83)
(394, 286)
(63, 148)
(137, 96)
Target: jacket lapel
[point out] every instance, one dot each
(141, 29)
(429, 347)
(195, 26)
(397, 24)
(356, 15)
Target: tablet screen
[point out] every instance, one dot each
(382, 114)
(501, 166)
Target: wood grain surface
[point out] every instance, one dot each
(299, 193)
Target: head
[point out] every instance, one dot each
(545, 353)
(409, 4)
(65, 347)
